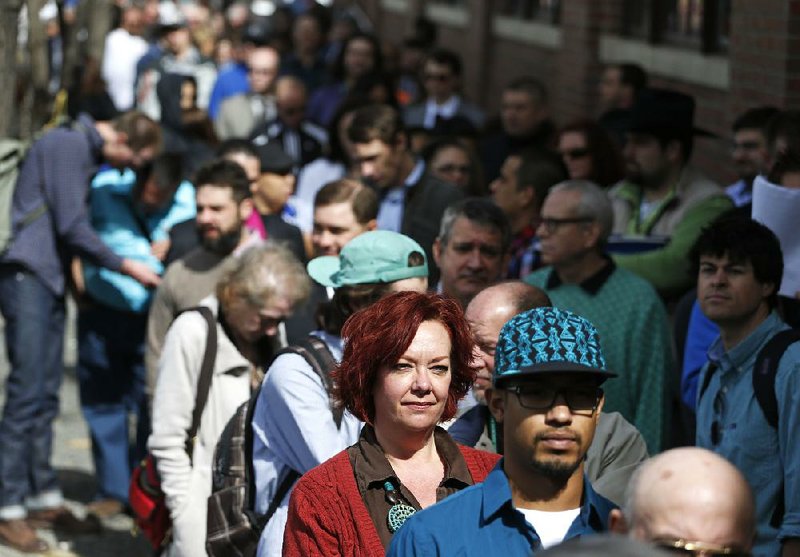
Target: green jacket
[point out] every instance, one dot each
(692, 204)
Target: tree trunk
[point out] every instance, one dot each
(9, 20)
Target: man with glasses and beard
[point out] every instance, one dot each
(224, 203)
(547, 398)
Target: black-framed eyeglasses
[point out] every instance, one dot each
(553, 224)
(543, 397)
(687, 547)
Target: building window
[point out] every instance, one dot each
(545, 11)
(697, 24)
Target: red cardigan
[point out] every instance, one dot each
(327, 515)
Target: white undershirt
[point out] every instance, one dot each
(550, 526)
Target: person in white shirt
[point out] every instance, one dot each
(124, 47)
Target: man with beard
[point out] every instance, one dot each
(223, 205)
(618, 447)
(663, 199)
(472, 248)
(547, 397)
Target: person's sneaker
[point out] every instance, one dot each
(105, 508)
(63, 520)
(21, 536)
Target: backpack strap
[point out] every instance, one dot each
(206, 374)
(319, 357)
(712, 367)
(280, 493)
(765, 370)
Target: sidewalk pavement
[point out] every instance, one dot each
(72, 459)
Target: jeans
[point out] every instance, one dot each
(111, 378)
(34, 332)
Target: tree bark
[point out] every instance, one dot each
(9, 20)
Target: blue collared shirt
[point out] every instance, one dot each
(293, 428)
(769, 459)
(392, 207)
(482, 520)
(741, 193)
(112, 215)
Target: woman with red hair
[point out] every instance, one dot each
(406, 364)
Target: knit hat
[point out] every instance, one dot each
(548, 340)
(377, 256)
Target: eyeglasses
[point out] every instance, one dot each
(452, 168)
(686, 547)
(575, 153)
(543, 397)
(436, 77)
(551, 225)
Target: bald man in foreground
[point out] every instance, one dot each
(618, 447)
(689, 498)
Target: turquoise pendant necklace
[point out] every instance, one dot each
(399, 512)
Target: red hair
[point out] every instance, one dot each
(380, 334)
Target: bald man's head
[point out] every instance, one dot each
(488, 312)
(690, 494)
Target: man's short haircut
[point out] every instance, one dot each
(448, 58)
(376, 121)
(222, 173)
(786, 162)
(755, 119)
(784, 124)
(593, 203)
(479, 211)
(237, 146)
(632, 75)
(539, 171)
(362, 200)
(166, 170)
(742, 240)
(141, 131)
(530, 85)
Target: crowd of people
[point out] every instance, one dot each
(453, 334)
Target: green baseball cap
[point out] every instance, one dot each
(377, 256)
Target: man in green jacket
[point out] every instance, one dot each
(663, 198)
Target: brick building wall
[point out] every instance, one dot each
(761, 65)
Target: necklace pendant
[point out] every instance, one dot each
(398, 514)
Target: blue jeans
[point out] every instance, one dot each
(111, 377)
(34, 331)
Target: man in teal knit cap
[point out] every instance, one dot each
(546, 395)
(574, 227)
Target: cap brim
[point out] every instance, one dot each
(552, 367)
(322, 269)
